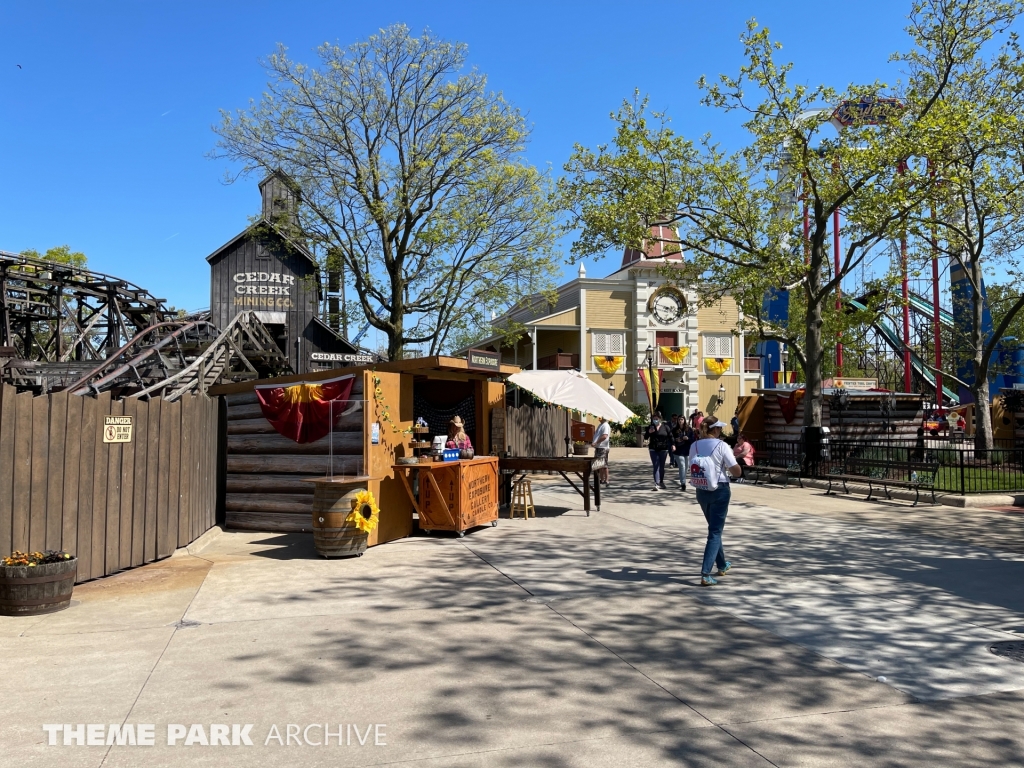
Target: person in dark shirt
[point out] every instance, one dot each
(682, 440)
(659, 443)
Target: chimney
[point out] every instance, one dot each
(280, 199)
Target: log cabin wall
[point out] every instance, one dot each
(264, 488)
(862, 420)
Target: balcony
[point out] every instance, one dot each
(664, 362)
(562, 361)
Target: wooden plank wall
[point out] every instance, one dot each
(265, 488)
(114, 505)
(536, 432)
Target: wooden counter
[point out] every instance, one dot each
(453, 495)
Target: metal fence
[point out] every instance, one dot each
(959, 467)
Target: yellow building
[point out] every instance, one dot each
(617, 322)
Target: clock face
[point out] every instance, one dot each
(667, 308)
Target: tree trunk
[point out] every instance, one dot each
(979, 389)
(814, 353)
(982, 414)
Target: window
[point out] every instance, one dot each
(608, 344)
(718, 346)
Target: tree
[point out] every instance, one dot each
(411, 173)
(974, 139)
(738, 213)
(59, 253)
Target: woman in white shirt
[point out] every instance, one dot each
(713, 503)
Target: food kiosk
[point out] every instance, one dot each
(265, 473)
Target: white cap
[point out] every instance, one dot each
(721, 424)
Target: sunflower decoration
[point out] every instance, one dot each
(608, 363)
(365, 514)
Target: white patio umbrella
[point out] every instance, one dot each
(573, 390)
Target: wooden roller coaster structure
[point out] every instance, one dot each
(65, 327)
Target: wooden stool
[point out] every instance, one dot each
(520, 493)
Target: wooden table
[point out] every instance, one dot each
(453, 495)
(582, 466)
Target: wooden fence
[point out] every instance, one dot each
(114, 505)
(536, 432)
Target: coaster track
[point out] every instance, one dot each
(64, 327)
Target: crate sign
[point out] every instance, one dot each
(117, 429)
(484, 360)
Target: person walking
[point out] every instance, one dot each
(673, 424)
(698, 419)
(683, 442)
(602, 445)
(711, 465)
(659, 443)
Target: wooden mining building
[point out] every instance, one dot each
(264, 270)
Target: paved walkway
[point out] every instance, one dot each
(557, 642)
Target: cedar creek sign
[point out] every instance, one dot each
(484, 360)
(263, 289)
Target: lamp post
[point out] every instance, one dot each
(650, 378)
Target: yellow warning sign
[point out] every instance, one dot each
(117, 429)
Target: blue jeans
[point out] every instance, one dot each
(658, 460)
(715, 506)
(683, 462)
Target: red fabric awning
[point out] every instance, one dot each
(305, 411)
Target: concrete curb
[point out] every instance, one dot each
(199, 544)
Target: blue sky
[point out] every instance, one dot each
(105, 128)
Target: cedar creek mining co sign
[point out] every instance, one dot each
(263, 289)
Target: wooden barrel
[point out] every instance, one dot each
(332, 535)
(32, 590)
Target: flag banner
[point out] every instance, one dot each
(675, 355)
(305, 411)
(652, 386)
(717, 365)
(608, 363)
(789, 403)
(785, 377)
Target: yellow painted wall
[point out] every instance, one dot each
(571, 317)
(708, 394)
(609, 309)
(723, 316)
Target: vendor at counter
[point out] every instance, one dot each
(457, 437)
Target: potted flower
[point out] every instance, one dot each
(36, 582)
(580, 448)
